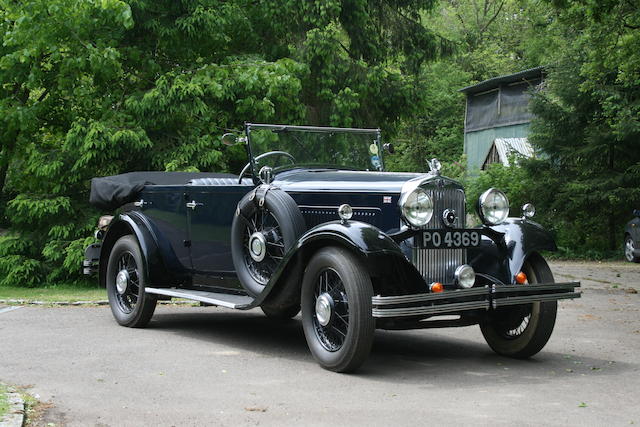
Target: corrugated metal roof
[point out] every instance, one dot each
(507, 146)
(492, 83)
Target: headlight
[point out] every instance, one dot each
(104, 221)
(493, 207)
(417, 207)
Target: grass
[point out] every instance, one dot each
(4, 404)
(64, 292)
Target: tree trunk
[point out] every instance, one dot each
(4, 168)
(612, 210)
(5, 161)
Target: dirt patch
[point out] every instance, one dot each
(38, 413)
(614, 276)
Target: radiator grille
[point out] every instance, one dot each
(446, 198)
(439, 265)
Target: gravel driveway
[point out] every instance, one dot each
(205, 366)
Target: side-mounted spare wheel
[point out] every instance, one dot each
(261, 235)
(125, 279)
(521, 331)
(336, 309)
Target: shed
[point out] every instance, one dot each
(503, 148)
(496, 109)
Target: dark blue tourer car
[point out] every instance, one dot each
(315, 224)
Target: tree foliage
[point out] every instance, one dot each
(93, 88)
(589, 125)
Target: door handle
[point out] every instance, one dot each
(140, 203)
(193, 204)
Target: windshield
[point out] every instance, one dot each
(288, 147)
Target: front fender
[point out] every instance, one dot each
(390, 270)
(505, 248)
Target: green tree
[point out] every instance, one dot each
(589, 125)
(436, 128)
(488, 38)
(93, 88)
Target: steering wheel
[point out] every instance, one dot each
(262, 156)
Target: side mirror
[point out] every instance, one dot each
(636, 212)
(388, 147)
(229, 139)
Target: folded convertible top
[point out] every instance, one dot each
(111, 192)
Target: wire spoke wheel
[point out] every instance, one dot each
(263, 245)
(128, 299)
(332, 334)
(125, 280)
(521, 331)
(267, 224)
(336, 309)
(522, 321)
(521, 328)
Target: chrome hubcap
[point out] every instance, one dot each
(122, 281)
(629, 248)
(323, 309)
(257, 246)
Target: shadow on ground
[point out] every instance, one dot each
(424, 356)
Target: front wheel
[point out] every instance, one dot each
(336, 310)
(523, 330)
(130, 304)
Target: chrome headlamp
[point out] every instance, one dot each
(493, 207)
(417, 207)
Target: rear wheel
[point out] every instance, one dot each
(522, 331)
(336, 310)
(130, 304)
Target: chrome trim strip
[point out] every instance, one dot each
(568, 286)
(253, 126)
(436, 309)
(501, 302)
(336, 207)
(405, 299)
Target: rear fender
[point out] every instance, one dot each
(390, 271)
(139, 225)
(505, 248)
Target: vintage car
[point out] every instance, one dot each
(632, 237)
(313, 223)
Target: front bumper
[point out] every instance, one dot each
(457, 301)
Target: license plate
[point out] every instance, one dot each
(449, 239)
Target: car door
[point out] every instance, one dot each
(210, 214)
(165, 206)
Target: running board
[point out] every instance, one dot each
(239, 302)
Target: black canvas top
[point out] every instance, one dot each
(111, 192)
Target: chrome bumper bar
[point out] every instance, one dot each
(485, 298)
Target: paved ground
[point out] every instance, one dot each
(198, 366)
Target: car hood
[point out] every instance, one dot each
(342, 181)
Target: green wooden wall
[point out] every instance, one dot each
(477, 144)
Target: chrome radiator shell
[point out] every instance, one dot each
(439, 265)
